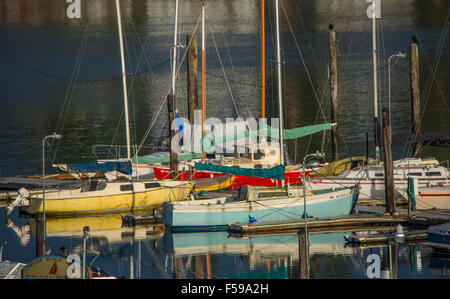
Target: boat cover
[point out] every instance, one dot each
(276, 172)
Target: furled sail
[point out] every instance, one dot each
(123, 167)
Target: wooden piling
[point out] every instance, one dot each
(415, 97)
(333, 93)
(394, 262)
(303, 254)
(178, 268)
(192, 75)
(388, 165)
(40, 240)
(198, 266)
(173, 132)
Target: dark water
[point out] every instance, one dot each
(63, 75)
(42, 50)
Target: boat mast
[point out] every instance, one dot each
(280, 94)
(203, 79)
(375, 94)
(175, 46)
(124, 81)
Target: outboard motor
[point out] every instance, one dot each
(20, 200)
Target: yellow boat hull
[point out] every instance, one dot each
(108, 203)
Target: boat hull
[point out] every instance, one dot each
(216, 214)
(439, 234)
(96, 203)
(369, 188)
(291, 177)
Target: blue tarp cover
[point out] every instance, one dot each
(123, 167)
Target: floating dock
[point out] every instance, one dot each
(413, 236)
(338, 222)
(419, 217)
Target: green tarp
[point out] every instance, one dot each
(276, 172)
(268, 132)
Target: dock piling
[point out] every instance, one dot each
(303, 254)
(333, 93)
(415, 97)
(388, 165)
(173, 132)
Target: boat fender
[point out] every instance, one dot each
(252, 219)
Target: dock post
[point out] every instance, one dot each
(198, 267)
(173, 132)
(333, 93)
(388, 165)
(192, 77)
(40, 240)
(394, 262)
(303, 260)
(415, 97)
(178, 267)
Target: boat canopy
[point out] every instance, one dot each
(267, 131)
(276, 172)
(208, 142)
(123, 167)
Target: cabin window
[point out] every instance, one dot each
(415, 173)
(379, 174)
(258, 155)
(127, 187)
(433, 173)
(152, 185)
(271, 194)
(101, 186)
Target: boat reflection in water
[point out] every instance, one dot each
(146, 251)
(110, 244)
(220, 255)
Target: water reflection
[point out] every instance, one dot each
(146, 251)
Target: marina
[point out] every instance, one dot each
(181, 139)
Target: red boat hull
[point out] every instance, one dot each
(291, 177)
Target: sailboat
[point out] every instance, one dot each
(103, 197)
(260, 156)
(259, 203)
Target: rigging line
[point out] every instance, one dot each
(303, 61)
(307, 36)
(233, 70)
(152, 122)
(71, 81)
(61, 78)
(425, 94)
(70, 92)
(223, 70)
